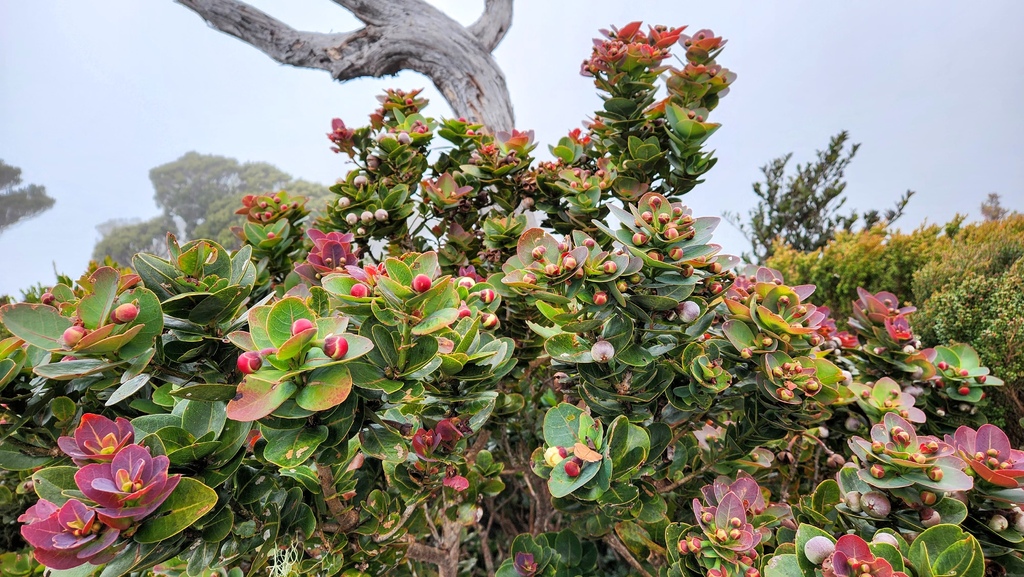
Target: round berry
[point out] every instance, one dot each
(421, 283)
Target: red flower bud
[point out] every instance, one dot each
(467, 282)
(421, 283)
(47, 298)
(359, 290)
(301, 325)
(943, 365)
(464, 312)
(487, 296)
(600, 298)
(572, 469)
(610, 267)
(249, 362)
(964, 390)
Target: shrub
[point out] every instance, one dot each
(419, 384)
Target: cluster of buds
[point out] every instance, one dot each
(541, 261)
(889, 338)
(122, 480)
(886, 396)
(794, 380)
(443, 194)
(267, 209)
(850, 556)
(989, 456)
(897, 457)
(572, 196)
(667, 233)
(331, 252)
(630, 50)
(777, 313)
(960, 375)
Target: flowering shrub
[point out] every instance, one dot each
(421, 383)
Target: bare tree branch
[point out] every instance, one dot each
(399, 35)
(493, 24)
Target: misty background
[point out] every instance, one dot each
(93, 94)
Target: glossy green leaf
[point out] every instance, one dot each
(189, 501)
(292, 447)
(325, 388)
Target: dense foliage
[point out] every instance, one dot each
(419, 383)
(965, 279)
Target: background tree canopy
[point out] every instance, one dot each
(19, 202)
(198, 194)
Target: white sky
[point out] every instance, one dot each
(95, 93)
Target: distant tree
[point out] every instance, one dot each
(18, 203)
(198, 194)
(123, 238)
(802, 209)
(992, 209)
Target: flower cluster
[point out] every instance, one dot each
(124, 482)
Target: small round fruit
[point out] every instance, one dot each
(572, 469)
(72, 335)
(884, 537)
(488, 296)
(421, 283)
(336, 347)
(301, 325)
(964, 390)
(125, 313)
(467, 282)
(249, 362)
(366, 217)
(689, 311)
(610, 267)
(359, 290)
(818, 548)
(602, 351)
(875, 504)
(381, 215)
(552, 456)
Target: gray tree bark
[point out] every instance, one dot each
(397, 35)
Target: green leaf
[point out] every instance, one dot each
(562, 425)
(326, 387)
(804, 533)
(67, 370)
(151, 319)
(12, 459)
(947, 550)
(282, 315)
(50, 483)
(186, 505)
(435, 322)
(200, 418)
(560, 484)
(627, 447)
(36, 324)
(292, 447)
(127, 389)
(383, 444)
(205, 392)
(94, 309)
(220, 303)
(783, 566)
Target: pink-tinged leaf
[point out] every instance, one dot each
(730, 507)
(854, 547)
(36, 324)
(294, 346)
(95, 308)
(458, 482)
(327, 387)
(256, 398)
(992, 437)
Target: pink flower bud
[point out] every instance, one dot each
(301, 325)
(359, 290)
(249, 362)
(336, 347)
(421, 283)
(125, 313)
(72, 335)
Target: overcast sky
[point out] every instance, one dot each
(94, 93)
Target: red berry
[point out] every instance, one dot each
(336, 347)
(249, 362)
(359, 290)
(125, 313)
(72, 335)
(572, 469)
(421, 283)
(943, 365)
(301, 325)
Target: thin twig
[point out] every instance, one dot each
(615, 543)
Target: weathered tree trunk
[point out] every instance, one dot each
(397, 35)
